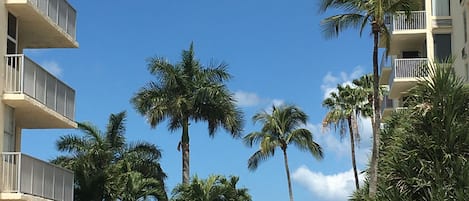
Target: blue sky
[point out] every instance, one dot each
(276, 52)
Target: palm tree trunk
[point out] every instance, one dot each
(351, 123)
(185, 151)
(376, 115)
(285, 157)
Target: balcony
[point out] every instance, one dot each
(403, 23)
(405, 74)
(44, 23)
(40, 99)
(23, 177)
(403, 27)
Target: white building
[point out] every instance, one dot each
(33, 98)
(437, 31)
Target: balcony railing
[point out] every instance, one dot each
(21, 173)
(60, 12)
(402, 21)
(408, 68)
(23, 76)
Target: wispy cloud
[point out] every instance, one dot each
(329, 187)
(53, 68)
(250, 99)
(247, 99)
(330, 81)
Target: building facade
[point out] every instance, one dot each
(32, 98)
(435, 32)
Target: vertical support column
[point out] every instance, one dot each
(429, 32)
(3, 51)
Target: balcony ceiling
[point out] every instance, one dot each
(36, 30)
(32, 114)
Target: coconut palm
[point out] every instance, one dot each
(102, 161)
(345, 106)
(185, 92)
(214, 188)
(283, 127)
(358, 14)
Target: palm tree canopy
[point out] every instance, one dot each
(106, 167)
(282, 127)
(346, 102)
(426, 146)
(188, 90)
(358, 14)
(214, 188)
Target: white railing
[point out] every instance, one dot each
(23, 76)
(20, 173)
(60, 12)
(408, 68)
(402, 21)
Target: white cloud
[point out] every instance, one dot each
(247, 99)
(53, 68)
(331, 143)
(330, 81)
(250, 99)
(333, 187)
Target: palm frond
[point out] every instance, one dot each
(258, 157)
(333, 25)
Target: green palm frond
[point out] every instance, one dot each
(107, 168)
(116, 129)
(334, 25)
(259, 156)
(303, 140)
(281, 127)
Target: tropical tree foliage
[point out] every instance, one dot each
(345, 107)
(187, 91)
(426, 146)
(359, 14)
(214, 188)
(282, 127)
(107, 168)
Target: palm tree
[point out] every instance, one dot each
(187, 91)
(345, 107)
(102, 161)
(214, 188)
(425, 147)
(281, 128)
(358, 14)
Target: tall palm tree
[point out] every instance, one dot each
(281, 128)
(102, 161)
(358, 14)
(214, 188)
(345, 106)
(188, 91)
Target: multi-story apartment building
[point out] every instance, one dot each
(435, 32)
(31, 97)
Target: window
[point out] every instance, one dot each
(442, 46)
(441, 8)
(467, 72)
(12, 34)
(9, 141)
(464, 21)
(12, 26)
